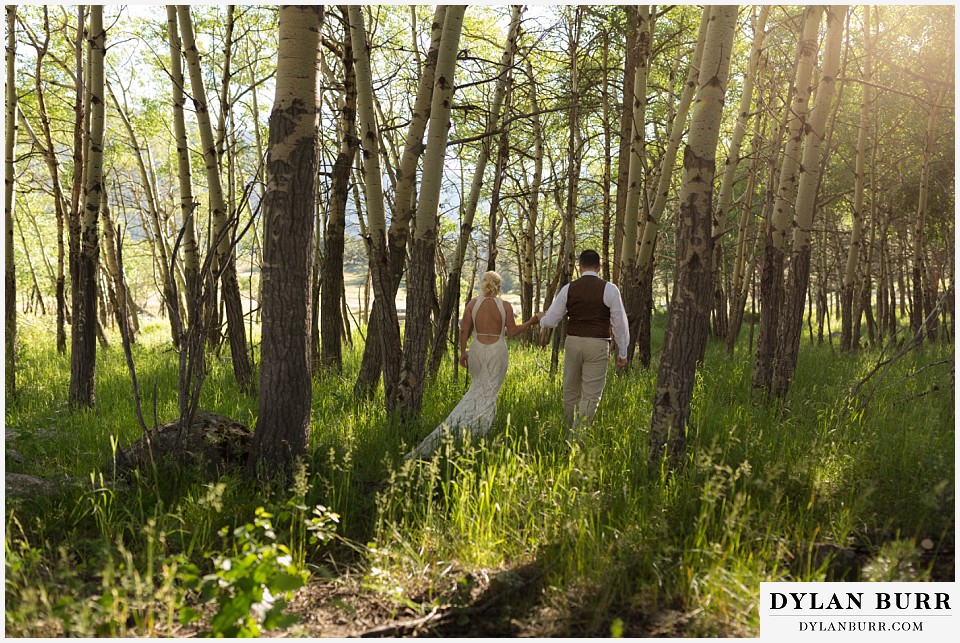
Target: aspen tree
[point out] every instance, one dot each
(778, 227)
(922, 306)
(687, 325)
(379, 258)
(283, 423)
(222, 238)
(191, 254)
(721, 212)
(84, 330)
(630, 277)
(853, 254)
(331, 277)
(630, 59)
(568, 210)
(61, 205)
(404, 195)
(10, 141)
(147, 182)
(798, 274)
(421, 273)
(661, 191)
(451, 291)
(529, 234)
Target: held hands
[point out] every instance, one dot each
(621, 362)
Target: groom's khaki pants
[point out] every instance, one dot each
(584, 374)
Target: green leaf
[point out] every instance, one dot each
(286, 582)
(188, 615)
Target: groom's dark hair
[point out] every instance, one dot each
(590, 259)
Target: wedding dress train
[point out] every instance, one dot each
(474, 414)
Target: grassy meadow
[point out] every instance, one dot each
(518, 533)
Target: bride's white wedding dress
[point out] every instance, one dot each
(487, 364)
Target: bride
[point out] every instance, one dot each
(489, 317)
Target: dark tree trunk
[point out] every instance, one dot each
(283, 424)
(331, 276)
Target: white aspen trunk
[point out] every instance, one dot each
(798, 276)
(404, 203)
(630, 56)
(451, 292)
(780, 211)
(191, 254)
(688, 324)
(222, 241)
(223, 116)
(645, 252)
(629, 275)
(10, 141)
(721, 212)
(376, 217)
(746, 210)
(529, 300)
(84, 332)
(421, 274)
(659, 185)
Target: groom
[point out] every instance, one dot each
(593, 307)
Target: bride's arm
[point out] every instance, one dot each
(513, 328)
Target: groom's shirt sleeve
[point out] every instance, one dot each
(557, 309)
(618, 318)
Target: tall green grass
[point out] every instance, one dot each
(608, 536)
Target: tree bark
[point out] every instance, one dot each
(283, 423)
(10, 142)
(222, 234)
(331, 277)
(565, 262)
(421, 274)
(630, 61)
(379, 258)
(404, 201)
(630, 278)
(84, 330)
(115, 289)
(687, 326)
(778, 228)
(223, 116)
(721, 213)
(528, 300)
(76, 191)
(191, 254)
(798, 275)
(451, 292)
(655, 213)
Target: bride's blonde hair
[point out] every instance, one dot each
(490, 284)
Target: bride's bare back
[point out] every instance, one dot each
(489, 322)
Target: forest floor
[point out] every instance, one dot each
(519, 534)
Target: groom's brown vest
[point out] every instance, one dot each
(587, 315)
